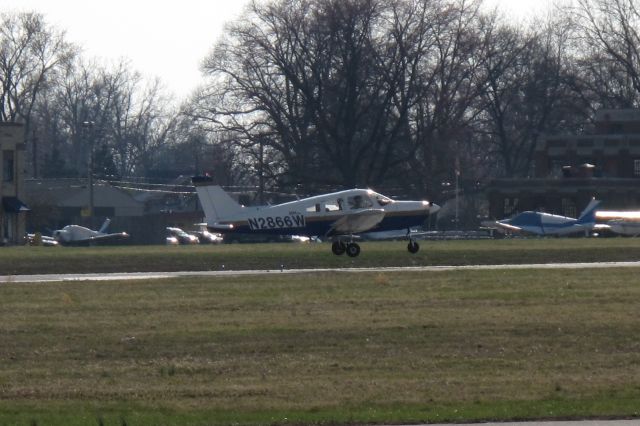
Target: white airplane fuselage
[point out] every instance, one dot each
(76, 234)
(330, 214)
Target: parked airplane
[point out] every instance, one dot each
(76, 234)
(621, 222)
(338, 216)
(549, 224)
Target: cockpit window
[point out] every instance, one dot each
(383, 201)
(359, 202)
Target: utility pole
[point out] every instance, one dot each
(457, 189)
(261, 173)
(88, 126)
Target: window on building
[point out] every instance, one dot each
(636, 167)
(510, 206)
(556, 167)
(569, 207)
(7, 166)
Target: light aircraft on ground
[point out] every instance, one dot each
(78, 235)
(540, 223)
(621, 222)
(338, 216)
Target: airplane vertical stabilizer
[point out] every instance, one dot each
(105, 225)
(216, 203)
(588, 215)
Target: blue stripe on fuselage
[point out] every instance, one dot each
(322, 226)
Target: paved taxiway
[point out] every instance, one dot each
(568, 423)
(159, 275)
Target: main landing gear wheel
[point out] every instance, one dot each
(338, 248)
(413, 247)
(353, 250)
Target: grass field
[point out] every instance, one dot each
(37, 260)
(328, 348)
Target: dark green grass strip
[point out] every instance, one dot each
(41, 260)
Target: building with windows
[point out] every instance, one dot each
(12, 209)
(571, 169)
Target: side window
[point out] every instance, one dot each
(7, 166)
(330, 207)
(314, 208)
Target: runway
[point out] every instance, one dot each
(44, 278)
(567, 423)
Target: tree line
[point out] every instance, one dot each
(315, 94)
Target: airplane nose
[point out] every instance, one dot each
(433, 208)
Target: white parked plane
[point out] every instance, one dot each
(338, 216)
(539, 223)
(76, 234)
(621, 222)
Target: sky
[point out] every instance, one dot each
(166, 39)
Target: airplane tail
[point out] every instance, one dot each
(105, 225)
(588, 215)
(216, 203)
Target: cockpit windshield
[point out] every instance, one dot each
(382, 200)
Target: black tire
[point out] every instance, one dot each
(353, 250)
(413, 247)
(338, 248)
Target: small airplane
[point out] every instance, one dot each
(338, 216)
(78, 235)
(621, 222)
(539, 223)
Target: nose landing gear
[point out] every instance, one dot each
(413, 247)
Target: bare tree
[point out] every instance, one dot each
(448, 102)
(323, 86)
(30, 54)
(107, 112)
(530, 91)
(610, 46)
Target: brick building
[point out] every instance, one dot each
(12, 209)
(571, 169)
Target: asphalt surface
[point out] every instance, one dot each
(160, 275)
(571, 423)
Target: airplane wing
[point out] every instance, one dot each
(108, 237)
(507, 227)
(500, 226)
(359, 221)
